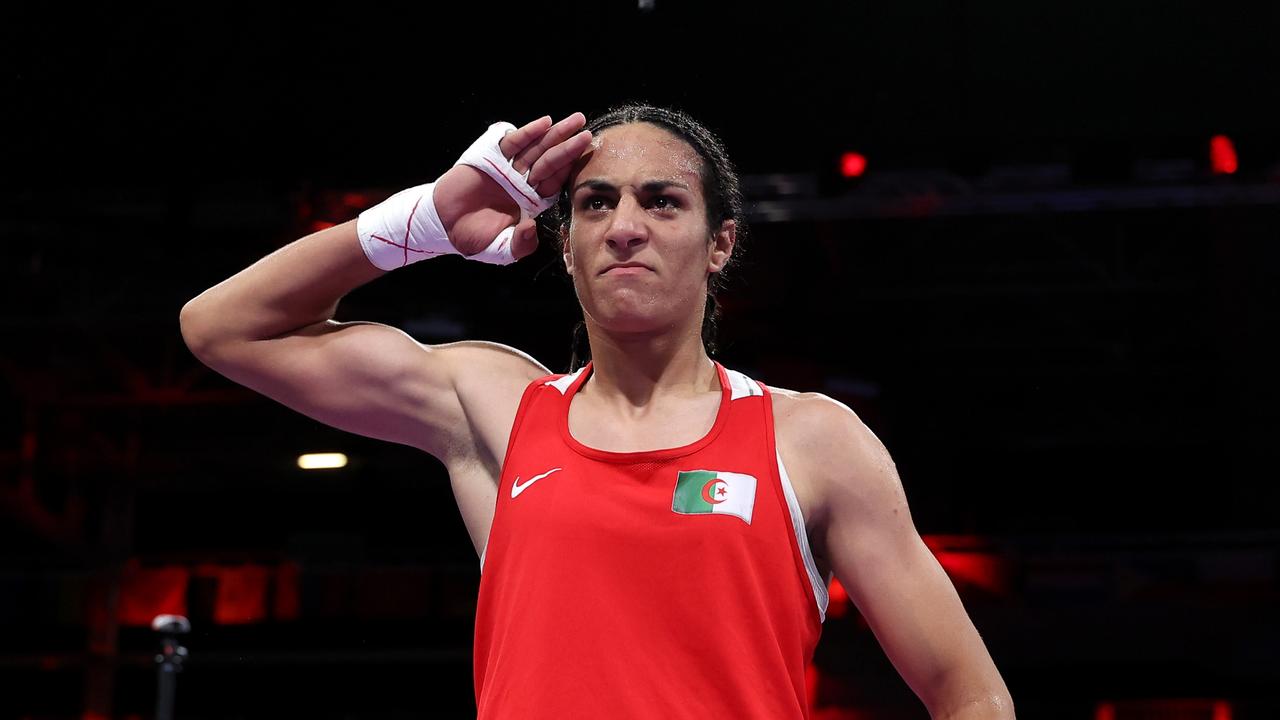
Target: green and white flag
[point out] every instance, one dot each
(714, 492)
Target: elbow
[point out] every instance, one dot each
(996, 705)
(999, 706)
(196, 331)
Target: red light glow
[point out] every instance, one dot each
(149, 591)
(1222, 155)
(1141, 709)
(287, 601)
(968, 563)
(977, 569)
(853, 164)
(811, 679)
(242, 595)
(837, 600)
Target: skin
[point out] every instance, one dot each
(270, 328)
(645, 324)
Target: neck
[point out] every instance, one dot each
(636, 368)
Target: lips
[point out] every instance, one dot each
(626, 268)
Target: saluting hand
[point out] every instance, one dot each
(474, 208)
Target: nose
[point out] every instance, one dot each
(628, 225)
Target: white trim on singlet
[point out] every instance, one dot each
(563, 383)
(741, 385)
(802, 539)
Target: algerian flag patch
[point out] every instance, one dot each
(714, 492)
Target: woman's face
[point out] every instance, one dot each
(639, 249)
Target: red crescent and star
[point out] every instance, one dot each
(716, 486)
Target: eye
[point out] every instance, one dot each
(664, 202)
(595, 202)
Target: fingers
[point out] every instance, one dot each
(552, 169)
(546, 152)
(515, 142)
(525, 239)
(528, 157)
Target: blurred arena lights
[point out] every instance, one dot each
(853, 164)
(1208, 709)
(1222, 155)
(322, 461)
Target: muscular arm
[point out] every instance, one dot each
(269, 328)
(895, 581)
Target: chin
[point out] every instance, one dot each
(632, 317)
(630, 324)
(636, 310)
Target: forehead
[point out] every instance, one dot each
(639, 152)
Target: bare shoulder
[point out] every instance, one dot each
(482, 356)
(832, 449)
(813, 420)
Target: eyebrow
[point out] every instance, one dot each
(651, 186)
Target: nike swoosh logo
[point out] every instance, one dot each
(517, 488)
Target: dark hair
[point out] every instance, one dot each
(721, 189)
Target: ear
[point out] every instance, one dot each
(722, 242)
(568, 250)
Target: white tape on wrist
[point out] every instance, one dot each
(403, 229)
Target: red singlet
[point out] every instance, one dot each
(668, 584)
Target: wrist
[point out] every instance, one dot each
(403, 229)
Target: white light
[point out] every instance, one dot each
(322, 461)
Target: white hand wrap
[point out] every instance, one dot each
(486, 156)
(403, 229)
(406, 228)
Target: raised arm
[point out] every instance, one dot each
(867, 535)
(270, 327)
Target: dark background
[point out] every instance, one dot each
(1040, 296)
